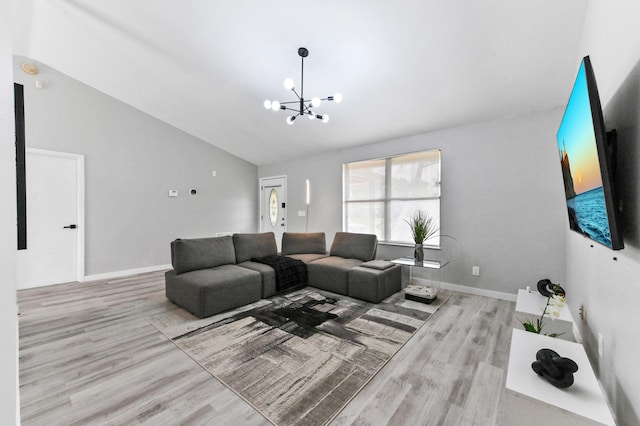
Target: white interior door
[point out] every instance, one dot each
(55, 237)
(273, 206)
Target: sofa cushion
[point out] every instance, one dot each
(330, 273)
(372, 284)
(206, 292)
(354, 246)
(308, 257)
(250, 246)
(201, 253)
(267, 274)
(303, 243)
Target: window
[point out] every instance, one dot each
(378, 195)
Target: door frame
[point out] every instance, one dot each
(79, 158)
(260, 213)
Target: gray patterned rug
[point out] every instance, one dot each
(298, 358)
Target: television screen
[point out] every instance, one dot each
(585, 158)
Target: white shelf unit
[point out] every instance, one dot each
(531, 400)
(529, 306)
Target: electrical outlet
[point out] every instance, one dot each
(583, 313)
(600, 345)
(475, 271)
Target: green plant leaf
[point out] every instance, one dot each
(423, 227)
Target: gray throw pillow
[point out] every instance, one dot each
(378, 264)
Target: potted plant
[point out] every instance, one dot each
(423, 227)
(554, 291)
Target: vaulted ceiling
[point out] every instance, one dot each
(404, 67)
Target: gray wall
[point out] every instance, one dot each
(502, 199)
(8, 310)
(131, 161)
(610, 289)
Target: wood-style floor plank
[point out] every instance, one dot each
(88, 355)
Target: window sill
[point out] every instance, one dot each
(392, 244)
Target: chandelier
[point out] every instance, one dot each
(301, 106)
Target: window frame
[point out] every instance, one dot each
(387, 199)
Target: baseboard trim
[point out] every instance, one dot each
(124, 273)
(480, 291)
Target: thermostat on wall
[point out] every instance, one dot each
(173, 193)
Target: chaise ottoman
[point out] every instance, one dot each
(374, 281)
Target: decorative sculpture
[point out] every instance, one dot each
(557, 370)
(547, 288)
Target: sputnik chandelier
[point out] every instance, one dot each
(303, 106)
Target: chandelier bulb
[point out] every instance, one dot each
(337, 98)
(290, 120)
(325, 118)
(267, 104)
(288, 84)
(275, 105)
(312, 116)
(315, 102)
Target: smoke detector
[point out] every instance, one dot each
(29, 68)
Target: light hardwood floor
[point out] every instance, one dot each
(88, 356)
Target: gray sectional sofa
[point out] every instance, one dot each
(212, 275)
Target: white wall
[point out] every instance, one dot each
(502, 199)
(8, 236)
(131, 161)
(608, 288)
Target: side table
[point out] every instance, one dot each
(419, 289)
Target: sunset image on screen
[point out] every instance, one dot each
(580, 166)
(576, 138)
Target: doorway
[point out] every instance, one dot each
(55, 220)
(273, 206)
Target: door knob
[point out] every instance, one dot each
(74, 226)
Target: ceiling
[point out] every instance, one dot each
(404, 67)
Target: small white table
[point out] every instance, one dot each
(529, 306)
(531, 400)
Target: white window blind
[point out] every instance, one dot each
(380, 194)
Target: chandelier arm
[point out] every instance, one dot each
(290, 109)
(290, 102)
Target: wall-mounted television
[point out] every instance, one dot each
(587, 158)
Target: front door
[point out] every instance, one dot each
(273, 206)
(54, 183)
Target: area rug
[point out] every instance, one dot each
(298, 358)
